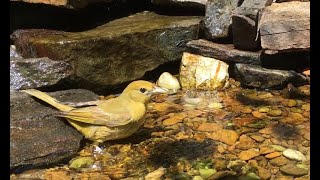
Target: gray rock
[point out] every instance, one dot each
(39, 138)
(286, 27)
(223, 52)
(37, 73)
(293, 170)
(262, 78)
(217, 21)
(244, 32)
(245, 24)
(119, 51)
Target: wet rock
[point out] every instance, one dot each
(157, 174)
(273, 155)
(293, 170)
(37, 73)
(249, 154)
(226, 136)
(209, 127)
(284, 177)
(206, 173)
(294, 154)
(257, 114)
(249, 176)
(174, 119)
(203, 73)
(39, 138)
(286, 26)
(278, 148)
(246, 110)
(264, 173)
(217, 21)
(266, 150)
(245, 142)
(81, 162)
(257, 138)
(168, 82)
(64, 3)
(295, 93)
(190, 4)
(292, 103)
(224, 52)
(117, 52)
(279, 161)
(262, 78)
(275, 112)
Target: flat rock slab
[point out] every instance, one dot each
(223, 52)
(37, 73)
(64, 3)
(39, 138)
(286, 26)
(262, 78)
(117, 52)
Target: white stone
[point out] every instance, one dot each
(169, 82)
(294, 155)
(203, 73)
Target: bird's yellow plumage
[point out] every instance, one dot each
(108, 119)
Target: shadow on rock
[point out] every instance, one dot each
(285, 131)
(169, 153)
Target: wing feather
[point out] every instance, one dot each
(97, 116)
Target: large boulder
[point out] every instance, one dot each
(37, 137)
(119, 51)
(286, 27)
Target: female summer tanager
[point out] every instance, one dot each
(109, 119)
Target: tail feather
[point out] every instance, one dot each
(48, 99)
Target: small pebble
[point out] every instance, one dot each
(291, 169)
(294, 155)
(273, 155)
(292, 103)
(246, 110)
(257, 114)
(275, 112)
(264, 109)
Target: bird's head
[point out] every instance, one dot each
(140, 91)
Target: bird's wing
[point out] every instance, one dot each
(97, 116)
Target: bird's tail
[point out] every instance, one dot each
(48, 99)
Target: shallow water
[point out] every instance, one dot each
(236, 133)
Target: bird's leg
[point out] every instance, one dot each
(81, 104)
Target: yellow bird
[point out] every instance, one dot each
(109, 119)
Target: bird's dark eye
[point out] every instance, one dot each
(143, 90)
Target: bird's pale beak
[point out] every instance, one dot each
(158, 90)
